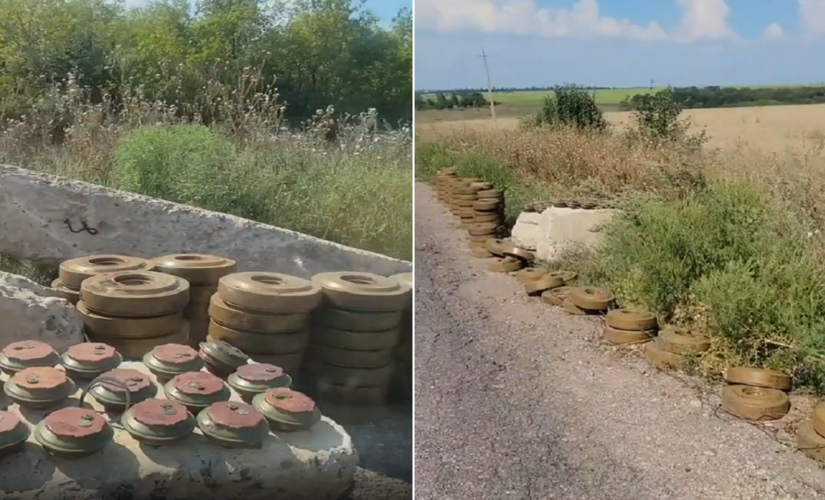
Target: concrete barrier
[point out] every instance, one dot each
(555, 230)
(42, 219)
(317, 464)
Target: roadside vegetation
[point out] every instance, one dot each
(291, 113)
(727, 241)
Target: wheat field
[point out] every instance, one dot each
(769, 129)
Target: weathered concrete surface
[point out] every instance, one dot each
(34, 208)
(525, 232)
(29, 312)
(557, 229)
(315, 464)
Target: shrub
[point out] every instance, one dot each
(717, 259)
(571, 106)
(657, 117)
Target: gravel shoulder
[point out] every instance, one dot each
(516, 400)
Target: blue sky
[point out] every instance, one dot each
(619, 42)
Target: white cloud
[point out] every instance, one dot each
(525, 17)
(703, 19)
(812, 16)
(773, 31)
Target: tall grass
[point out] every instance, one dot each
(346, 179)
(727, 241)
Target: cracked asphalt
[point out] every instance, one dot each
(516, 400)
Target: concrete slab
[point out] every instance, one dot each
(29, 312)
(37, 210)
(563, 228)
(316, 464)
(525, 233)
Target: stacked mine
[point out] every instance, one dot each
(134, 310)
(203, 272)
(442, 185)
(403, 352)
(355, 334)
(265, 315)
(73, 271)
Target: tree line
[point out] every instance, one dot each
(452, 100)
(306, 54)
(724, 97)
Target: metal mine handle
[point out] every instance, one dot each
(107, 380)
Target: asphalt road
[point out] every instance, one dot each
(516, 400)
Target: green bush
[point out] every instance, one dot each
(724, 252)
(571, 106)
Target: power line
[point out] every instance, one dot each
(484, 56)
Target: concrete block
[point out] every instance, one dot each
(30, 313)
(36, 211)
(525, 232)
(317, 464)
(562, 228)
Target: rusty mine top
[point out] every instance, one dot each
(40, 378)
(234, 415)
(159, 412)
(260, 372)
(91, 352)
(8, 421)
(74, 423)
(174, 354)
(198, 383)
(27, 350)
(288, 401)
(133, 379)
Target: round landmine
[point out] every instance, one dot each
(135, 349)
(347, 395)
(230, 316)
(404, 350)
(497, 247)
(73, 272)
(623, 337)
(291, 363)
(818, 419)
(590, 299)
(39, 388)
(572, 309)
(356, 341)
(487, 205)
(541, 285)
(682, 341)
(482, 229)
(64, 292)
(406, 279)
(197, 268)
(350, 358)
(358, 321)
(158, 422)
(170, 360)
(133, 294)
(567, 276)
(196, 390)
(27, 354)
(528, 274)
(260, 343)
(100, 326)
(810, 442)
(269, 292)
(480, 251)
(115, 396)
(88, 360)
(257, 378)
(286, 410)
(487, 194)
(556, 296)
(484, 217)
(353, 377)
(13, 433)
(755, 403)
(233, 425)
(659, 358)
(73, 432)
(631, 320)
(758, 377)
(362, 291)
(504, 265)
(221, 359)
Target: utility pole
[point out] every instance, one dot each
(489, 84)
